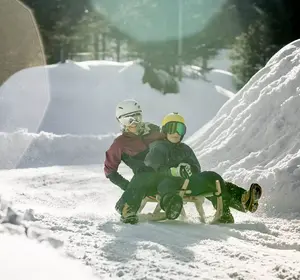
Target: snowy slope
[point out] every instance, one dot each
(77, 205)
(254, 136)
(64, 114)
(80, 98)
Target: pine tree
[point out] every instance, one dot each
(252, 50)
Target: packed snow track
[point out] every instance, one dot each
(76, 204)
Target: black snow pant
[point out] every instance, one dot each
(151, 183)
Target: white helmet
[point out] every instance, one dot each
(128, 112)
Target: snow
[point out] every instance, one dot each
(77, 205)
(22, 149)
(253, 137)
(224, 91)
(44, 108)
(80, 97)
(35, 262)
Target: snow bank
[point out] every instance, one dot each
(255, 135)
(22, 149)
(30, 254)
(36, 257)
(22, 258)
(80, 98)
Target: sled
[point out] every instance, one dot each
(158, 215)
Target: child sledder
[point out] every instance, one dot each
(170, 165)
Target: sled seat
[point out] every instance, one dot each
(197, 200)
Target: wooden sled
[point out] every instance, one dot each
(197, 200)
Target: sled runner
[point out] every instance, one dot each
(197, 200)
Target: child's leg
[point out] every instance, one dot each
(204, 183)
(243, 200)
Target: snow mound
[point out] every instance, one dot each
(36, 261)
(22, 149)
(36, 257)
(80, 98)
(254, 136)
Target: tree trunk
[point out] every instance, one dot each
(96, 45)
(118, 49)
(62, 57)
(103, 45)
(204, 62)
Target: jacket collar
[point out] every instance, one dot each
(144, 130)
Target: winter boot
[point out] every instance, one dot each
(172, 205)
(132, 219)
(225, 216)
(251, 197)
(128, 215)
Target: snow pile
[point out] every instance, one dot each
(80, 97)
(254, 136)
(22, 149)
(36, 257)
(22, 258)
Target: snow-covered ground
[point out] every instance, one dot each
(252, 138)
(77, 205)
(21, 258)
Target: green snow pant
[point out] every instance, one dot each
(141, 185)
(202, 183)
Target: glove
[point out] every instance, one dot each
(183, 170)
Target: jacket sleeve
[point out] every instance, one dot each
(194, 162)
(154, 127)
(157, 158)
(111, 164)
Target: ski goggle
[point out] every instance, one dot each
(130, 119)
(174, 127)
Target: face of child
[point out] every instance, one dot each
(174, 137)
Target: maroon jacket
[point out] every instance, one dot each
(132, 150)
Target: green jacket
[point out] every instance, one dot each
(163, 155)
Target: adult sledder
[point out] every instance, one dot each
(173, 162)
(131, 146)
